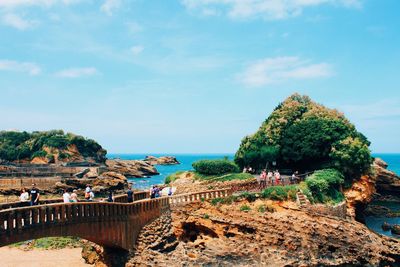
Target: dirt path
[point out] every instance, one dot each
(67, 257)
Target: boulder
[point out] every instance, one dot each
(387, 182)
(131, 168)
(167, 160)
(395, 229)
(111, 181)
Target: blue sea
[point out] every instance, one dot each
(186, 160)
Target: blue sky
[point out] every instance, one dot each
(195, 76)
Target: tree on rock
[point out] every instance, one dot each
(303, 135)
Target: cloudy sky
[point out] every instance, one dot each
(195, 76)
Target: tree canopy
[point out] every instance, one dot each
(303, 135)
(24, 146)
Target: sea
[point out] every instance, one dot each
(186, 160)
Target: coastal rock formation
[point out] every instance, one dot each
(223, 235)
(167, 160)
(110, 181)
(131, 168)
(380, 181)
(387, 182)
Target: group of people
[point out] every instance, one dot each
(275, 178)
(158, 191)
(30, 196)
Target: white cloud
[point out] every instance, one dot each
(137, 49)
(276, 70)
(76, 72)
(18, 22)
(268, 9)
(109, 6)
(17, 3)
(28, 67)
(44, 3)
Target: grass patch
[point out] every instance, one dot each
(280, 193)
(224, 200)
(265, 208)
(245, 208)
(51, 243)
(223, 177)
(250, 197)
(173, 177)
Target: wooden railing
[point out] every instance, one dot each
(117, 223)
(13, 219)
(199, 196)
(119, 199)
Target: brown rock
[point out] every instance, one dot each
(167, 160)
(131, 168)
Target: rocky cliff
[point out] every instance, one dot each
(380, 182)
(223, 235)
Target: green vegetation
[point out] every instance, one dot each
(224, 177)
(265, 208)
(25, 146)
(250, 197)
(303, 135)
(224, 200)
(280, 193)
(51, 243)
(325, 186)
(245, 208)
(215, 167)
(173, 177)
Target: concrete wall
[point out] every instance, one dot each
(26, 182)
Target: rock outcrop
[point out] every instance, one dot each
(387, 182)
(131, 168)
(167, 160)
(379, 182)
(223, 235)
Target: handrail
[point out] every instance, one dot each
(119, 198)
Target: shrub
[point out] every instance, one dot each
(280, 193)
(173, 177)
(217, 200)
(324, 185)
(245, 208)
(40, 153)
(206, 216)
(262, 208)
(214, 167)
(250, 197)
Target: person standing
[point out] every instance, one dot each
(24, 197)
(66, 196)
(110, 196)
(277, 177)
(269, 177)
(34, 195)
(74, 196)
(263, 178)
(130, 195)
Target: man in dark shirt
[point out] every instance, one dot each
(130, 195)
(34, 195)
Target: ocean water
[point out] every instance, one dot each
(375, 223)
(186, 161)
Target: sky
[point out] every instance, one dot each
(195, 76)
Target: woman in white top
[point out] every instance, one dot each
(24, 197)
(66, 197)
